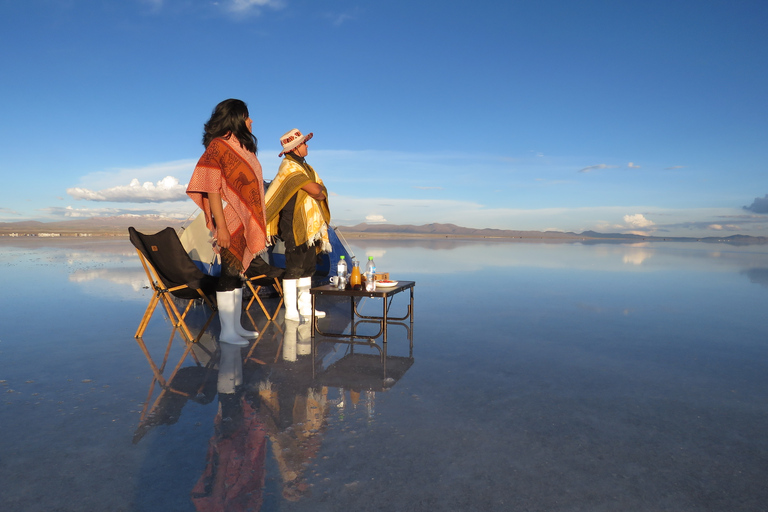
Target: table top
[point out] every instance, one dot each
(329, 289)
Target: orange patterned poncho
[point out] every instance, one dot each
(229, 169)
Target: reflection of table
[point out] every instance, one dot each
(353, 337)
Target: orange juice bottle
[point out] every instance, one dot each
(355, 281)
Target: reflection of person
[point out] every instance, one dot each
(229, 171)
(296, 340)
(297, 213)
(294, 420)
(236, 462)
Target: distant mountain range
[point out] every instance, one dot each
(99, 226)
(454, 231)
(118, 226)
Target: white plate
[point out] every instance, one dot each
(388, 284)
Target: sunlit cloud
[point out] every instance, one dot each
(165, 190)
(638, 220)
(597, 167)
(759, 205)
(633, 165)
(375, 218)
(726, 227)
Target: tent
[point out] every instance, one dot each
(196, 239)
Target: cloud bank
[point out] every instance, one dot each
(165, 190)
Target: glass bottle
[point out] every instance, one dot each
(355, 281)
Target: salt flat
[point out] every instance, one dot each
(545, 376)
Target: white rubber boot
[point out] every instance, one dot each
(228, 316)
(289, 298)
(242, 331)
(305, 299)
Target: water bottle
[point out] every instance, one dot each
(341, 272)
(370, 275)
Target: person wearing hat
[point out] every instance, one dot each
(297, 213)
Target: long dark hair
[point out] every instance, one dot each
(229, 117)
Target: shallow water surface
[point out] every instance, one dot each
(541, 377)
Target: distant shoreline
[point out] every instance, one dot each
(353, 235)
(117, 227)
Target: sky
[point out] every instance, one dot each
(646, 117)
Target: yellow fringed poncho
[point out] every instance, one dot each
(310, 216)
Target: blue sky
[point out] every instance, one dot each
(618, 116)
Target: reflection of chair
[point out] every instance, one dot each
(196, 383)
(171, 272)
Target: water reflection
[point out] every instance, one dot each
(111, 262)
(277, 392)
(559, 376)
(757, 276)
(452, 257)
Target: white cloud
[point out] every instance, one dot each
(339, 19)
(375, 218)
(251, 6)
(596, 167)
(86, 213)
(632, 165)
(167, 189)
(638, 220)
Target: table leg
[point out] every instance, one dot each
(384, 320)
(314, 318)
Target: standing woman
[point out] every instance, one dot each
(229, 172)
(298, 214)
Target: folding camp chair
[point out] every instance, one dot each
(266, 275)
(171, 273)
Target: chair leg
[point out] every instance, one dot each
(147, 315)
(255, 297)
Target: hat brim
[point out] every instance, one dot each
(298, 143)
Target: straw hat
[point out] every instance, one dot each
(292, 139)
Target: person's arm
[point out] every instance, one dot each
(217, 210)
(314, 190)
